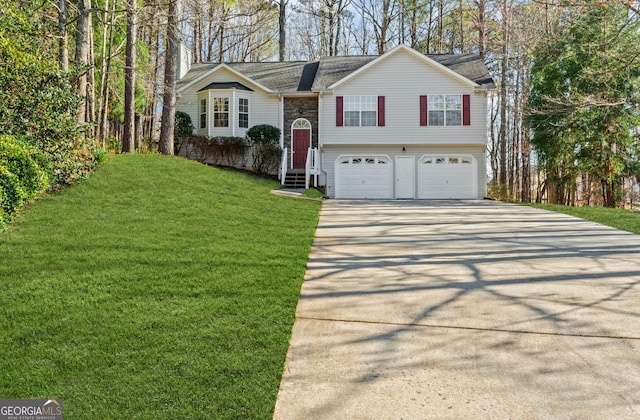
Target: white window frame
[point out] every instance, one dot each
(202, 113)
(354, 108)
(451, 110)
(242, 113)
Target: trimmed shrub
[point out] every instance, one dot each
(224, 151)
(264, 133)
(266, 151)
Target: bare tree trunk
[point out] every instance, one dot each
(462, 49)
(282, 33)
(165, 145)
(482, 36)
(63, 53)
(149, 130)
(104, 122)
(414, 24)
(336, 41)
(429, 32)
(91, 74)
(130, 80)
(440, 26)
(502, 138)
(82, 56)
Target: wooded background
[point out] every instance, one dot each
(563, 121)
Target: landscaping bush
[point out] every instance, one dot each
(501, 193)
(264, 133)
(224, 151)
(183, 130)
(27, 163)
(266, 158)
(265, 150)
(24, 174)
(11, 195)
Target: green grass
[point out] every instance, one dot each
(157, 288)
(618, 218)
(313, 193)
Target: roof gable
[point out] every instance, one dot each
(437, 62)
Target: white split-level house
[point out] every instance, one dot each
(401, 125)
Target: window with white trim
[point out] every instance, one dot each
(360, 111)
(445, 109)
(221, 112)
(243, 112)
(203, 113)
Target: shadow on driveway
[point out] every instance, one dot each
(450, 309)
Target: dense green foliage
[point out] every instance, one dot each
(159, 288)
(264, 133)
(618, 218)
(265, 151)
(182, 131)
(583, 105)
(38, 104)
(24, 174)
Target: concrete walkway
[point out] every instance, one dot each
(464, 309)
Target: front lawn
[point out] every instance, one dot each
(618, 218)
(159, 288)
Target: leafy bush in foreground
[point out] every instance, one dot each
(24, 174)
(266, 151)
(38, 103)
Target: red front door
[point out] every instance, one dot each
(301, 142)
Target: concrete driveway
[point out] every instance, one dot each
(464, 309)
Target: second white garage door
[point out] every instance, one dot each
(363, 177)
(447, 177)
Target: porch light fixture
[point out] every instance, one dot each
(403, 149)
(301, 110)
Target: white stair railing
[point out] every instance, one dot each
(283, 166)
(312, 167)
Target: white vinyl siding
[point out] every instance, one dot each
(401, 79)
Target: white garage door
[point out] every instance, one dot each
(449, 176)
(363, 177)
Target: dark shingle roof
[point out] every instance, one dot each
(276, 76)
(470, 66)
(302, 76)
(332, 69)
